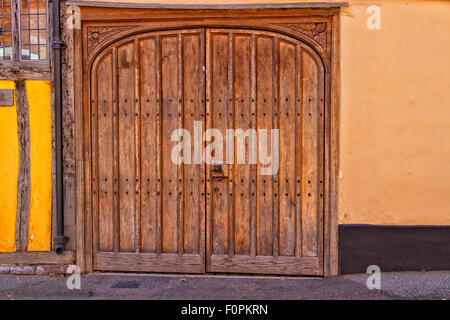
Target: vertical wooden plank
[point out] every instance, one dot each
(192, 180)
(24, 179)
(127, 146)
(16, 20)
(95, 171)
(298, 153)
(208, 203)
(320, 161)
(287, 89)
(79, 151)
(242, 94)
(218, 115)
(253, 166)
(203, 187)
(207, 121)
(88, 232)
(180, 168)
(116, 199)
(69, 188)
(231, 122)
(310, 157)
(105, 155)
(265, 195)
(169, 89)
(275, 126)
(137, 143)
(332, 152)
(158, 135)
(149, 152)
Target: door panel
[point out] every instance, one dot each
(153, 215)
(265, 223)
(149, 214)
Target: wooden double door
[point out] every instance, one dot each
(151, 214)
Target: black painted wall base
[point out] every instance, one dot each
(393, 248)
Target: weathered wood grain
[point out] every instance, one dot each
(310, 155)
(242, 120)
(149, 146)
(24, 180)
(170, 122)
(248, 73)
(263, 88)
(149, 262)
(36, 258)
(287, 121)
(127, 147)
(221, 234)
(266, 265)
(265, 194)
(105, 176)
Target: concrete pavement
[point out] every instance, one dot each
(411, 285)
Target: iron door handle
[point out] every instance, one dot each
(218, 172)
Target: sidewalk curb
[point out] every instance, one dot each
(40, 270)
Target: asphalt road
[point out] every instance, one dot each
(411, 285)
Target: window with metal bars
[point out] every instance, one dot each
(6, 48)
(24, 30)
(33, 29)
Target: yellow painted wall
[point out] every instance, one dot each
(9, 171)
(39, 101)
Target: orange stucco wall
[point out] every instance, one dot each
(395, 114)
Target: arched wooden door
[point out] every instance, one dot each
(152, 215)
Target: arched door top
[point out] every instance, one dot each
(311, 36)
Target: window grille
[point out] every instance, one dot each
(33, 30)
(6, 47)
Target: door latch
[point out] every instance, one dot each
(218, 172)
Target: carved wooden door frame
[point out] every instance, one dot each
(318, 28)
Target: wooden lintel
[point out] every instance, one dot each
(18, 71)
(37, 258)
(303, 5)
